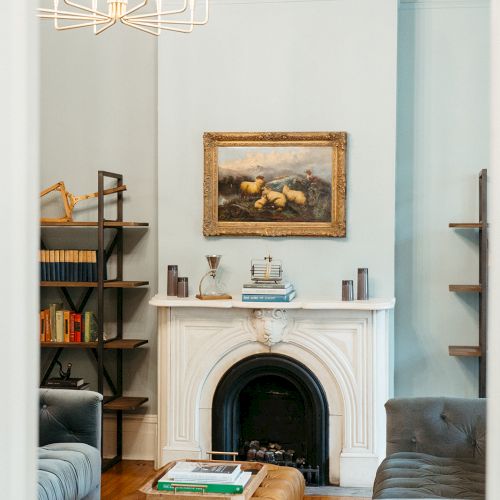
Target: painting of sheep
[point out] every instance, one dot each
(279, 183)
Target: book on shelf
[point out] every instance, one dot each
(272, 285)
(61, 382)
(67, 326)
(268, 298)
(233, 487)
(69, 265)
(204, 471)
(267, 291)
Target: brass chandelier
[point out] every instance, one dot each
(182, 16)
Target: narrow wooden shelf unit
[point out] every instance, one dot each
(465, 350)
(478, 351)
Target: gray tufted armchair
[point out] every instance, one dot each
(436, 448)
(69, 459)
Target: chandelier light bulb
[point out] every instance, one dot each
(181, 17)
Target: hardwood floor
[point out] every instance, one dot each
(122, 481)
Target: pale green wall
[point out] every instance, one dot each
(98, 112)
(443, 127)
(293, 66)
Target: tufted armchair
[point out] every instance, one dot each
(69, 460)
(436, 448)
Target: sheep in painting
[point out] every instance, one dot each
(248, 188)
(297, 197)
(277, 199)
(260, 203)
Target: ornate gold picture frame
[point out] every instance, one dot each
(275, 184)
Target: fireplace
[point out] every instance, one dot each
(220, 364)
(276, 406)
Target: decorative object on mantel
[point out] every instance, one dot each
(275, 184)
(347, 290)
(267, 284)
(182, 287)
(363, 284)
(211, 290)
(172, 275)
(181, 19)
(69, 200)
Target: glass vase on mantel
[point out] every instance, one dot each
(209, 288)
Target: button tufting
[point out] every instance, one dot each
(443, 416)
(44, 407)
(413, 439)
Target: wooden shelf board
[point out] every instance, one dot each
(465, 350)
(466, 225)
(93, 284)
(124, 403)
(109, 223)
(465, 288)
(125, 343)
(109, 344)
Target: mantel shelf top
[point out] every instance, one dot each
(377, 304)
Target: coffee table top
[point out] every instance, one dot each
(259, 472)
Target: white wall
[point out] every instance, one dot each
(98, 112)
(443, 141)
(18, 251)
(293, 66)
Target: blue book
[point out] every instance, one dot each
(251, 297)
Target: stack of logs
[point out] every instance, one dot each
(273, 453)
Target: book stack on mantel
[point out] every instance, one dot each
(268, 291)
(66, 383)
(208, 477)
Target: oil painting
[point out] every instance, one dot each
(275, 184)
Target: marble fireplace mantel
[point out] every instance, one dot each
(345, 344)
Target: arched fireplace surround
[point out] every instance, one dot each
(273, 398)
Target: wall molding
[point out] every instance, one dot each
(443, 4)
(139, 436)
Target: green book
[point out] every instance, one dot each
(233, 488)
(90, 333)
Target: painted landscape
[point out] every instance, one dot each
(275, 184)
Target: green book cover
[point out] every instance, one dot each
(233, 488)
(90, 327)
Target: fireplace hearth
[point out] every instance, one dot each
(272, 408)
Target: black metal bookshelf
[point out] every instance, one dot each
(114, 402)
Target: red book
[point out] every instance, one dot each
(77, 322)
(72, 327)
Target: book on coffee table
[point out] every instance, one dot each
(234, 487)
(206, 472)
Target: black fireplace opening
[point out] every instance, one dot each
(271, 408)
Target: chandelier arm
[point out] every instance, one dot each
(111, 23)
(164, 13)
(68, 13)
(192, 22)
(74, 26)
(137, 7)
(150, 24)
(133, 25)
(82, 7)
(72, 18)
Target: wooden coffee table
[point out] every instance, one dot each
(259, 472)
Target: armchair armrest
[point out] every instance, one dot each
(444, 427)
(70, 416)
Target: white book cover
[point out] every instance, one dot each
(267, 291)
(204, 471)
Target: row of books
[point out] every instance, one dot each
(268, 292)
(58, 325)
(210, 477)
(69, 265)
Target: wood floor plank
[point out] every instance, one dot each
(122, 482)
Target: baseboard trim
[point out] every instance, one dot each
(139, 436)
